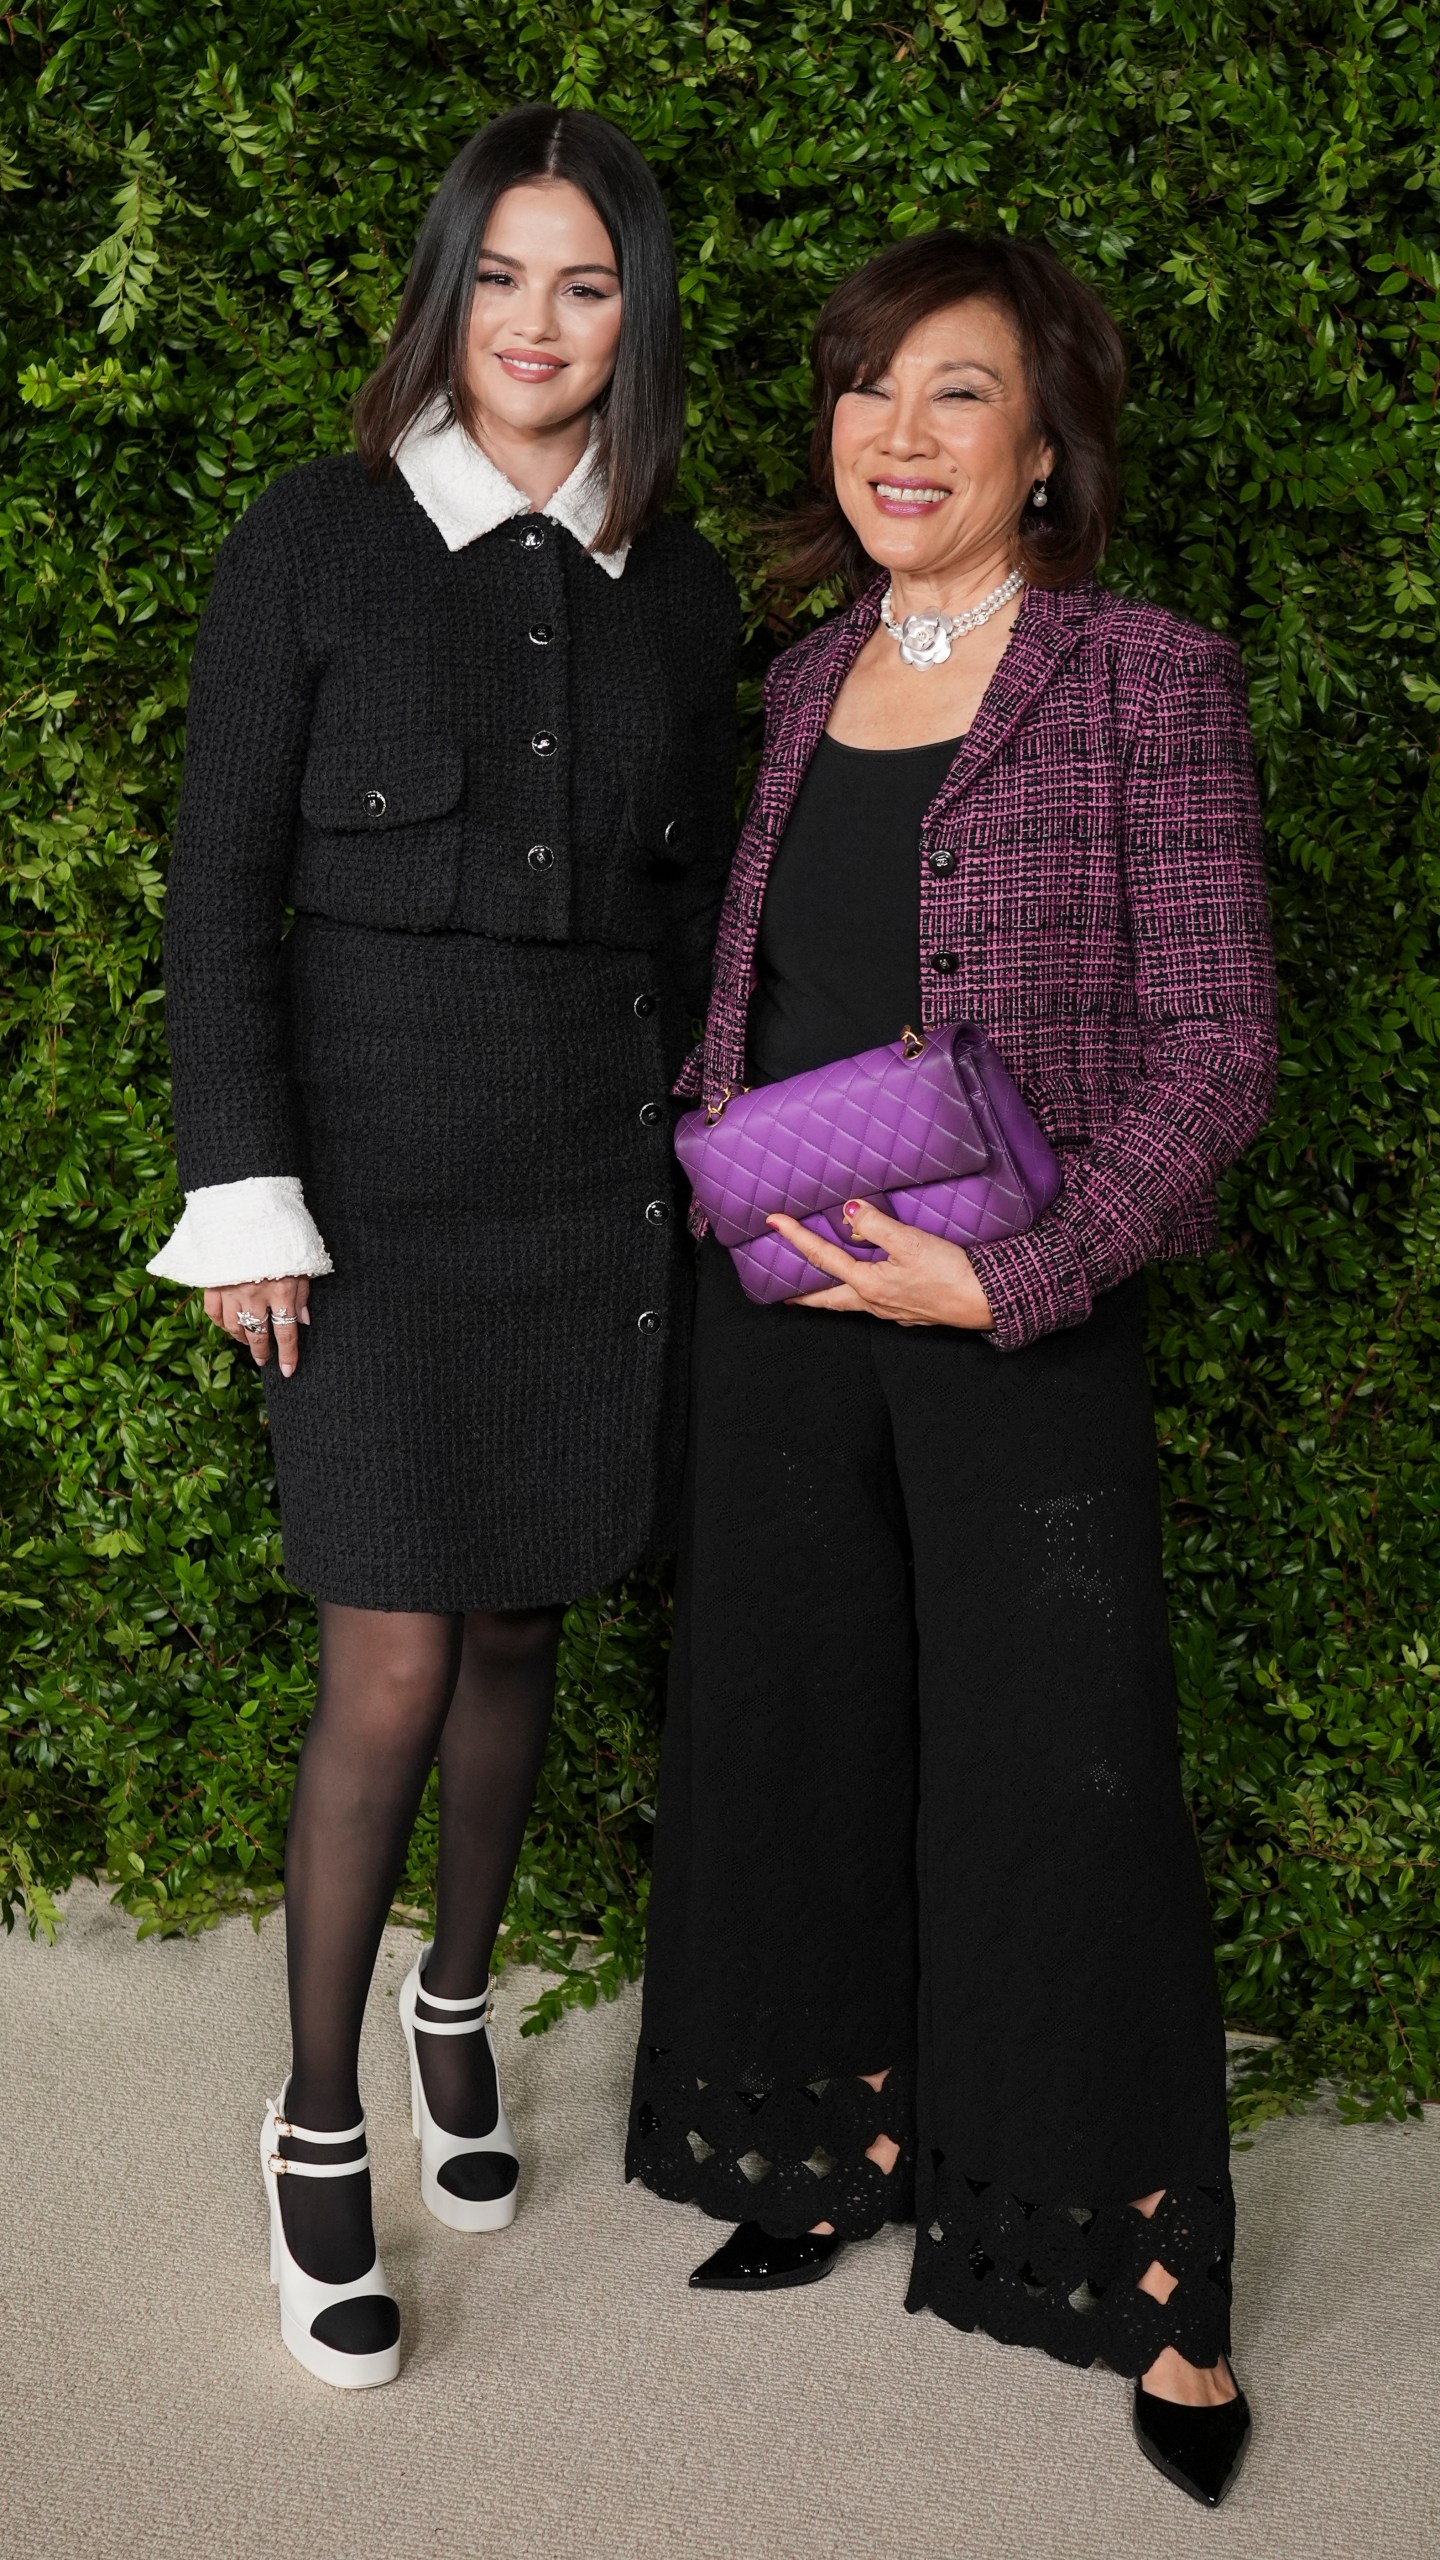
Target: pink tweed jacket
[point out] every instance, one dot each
(1093, 893)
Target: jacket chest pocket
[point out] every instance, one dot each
(380, 831)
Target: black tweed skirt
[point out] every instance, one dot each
(487, 1411)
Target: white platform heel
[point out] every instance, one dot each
(304, 2300)
(439, 2148)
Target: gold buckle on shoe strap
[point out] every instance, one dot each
(319, 2168)
(290, 2132)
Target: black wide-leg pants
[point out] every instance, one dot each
(920, 1814)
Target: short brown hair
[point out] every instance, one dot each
(1074, 366)
(642, 410)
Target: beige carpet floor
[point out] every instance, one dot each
(563, 2396)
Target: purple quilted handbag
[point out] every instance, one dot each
(931, 1130)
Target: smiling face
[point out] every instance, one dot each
(546, 311)
(935, 460)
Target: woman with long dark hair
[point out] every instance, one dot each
(928, 1933)
(463, 701)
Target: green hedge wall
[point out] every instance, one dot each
(209, 205)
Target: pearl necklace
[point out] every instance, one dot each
(925, 637)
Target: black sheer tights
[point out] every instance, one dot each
(399, 1688)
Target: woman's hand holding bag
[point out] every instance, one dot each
(923, 1279)
(931, 1124)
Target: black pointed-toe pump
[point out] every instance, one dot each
(1197, 2450)
(755, 2261)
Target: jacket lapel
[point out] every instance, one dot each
(807, 707)
(1049, 628)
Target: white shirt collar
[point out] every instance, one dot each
(465, 496)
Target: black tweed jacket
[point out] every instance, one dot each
(499, 740)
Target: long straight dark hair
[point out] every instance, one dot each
(642, 410)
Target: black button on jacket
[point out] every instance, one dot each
(376, 738)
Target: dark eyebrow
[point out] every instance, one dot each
(596, 267)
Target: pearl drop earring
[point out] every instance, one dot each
(1039, 495)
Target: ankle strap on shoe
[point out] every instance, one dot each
(316, 2168)
(481, 2003)
(480, 2000)
(303, 2132)
(450, 2026)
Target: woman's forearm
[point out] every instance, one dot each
(1201, 1101)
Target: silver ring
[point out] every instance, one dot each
(251, 1324)
(281, 1315)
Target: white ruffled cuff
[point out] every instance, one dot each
(236, 1232)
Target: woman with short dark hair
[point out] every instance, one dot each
(928, 1932)
(464, 702)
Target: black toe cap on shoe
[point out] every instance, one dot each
(480, 2177)
(364, 2326)
(1197, 2450)
(755, 2261)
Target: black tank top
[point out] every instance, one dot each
(839, 948)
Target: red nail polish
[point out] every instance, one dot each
(852, 1208)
